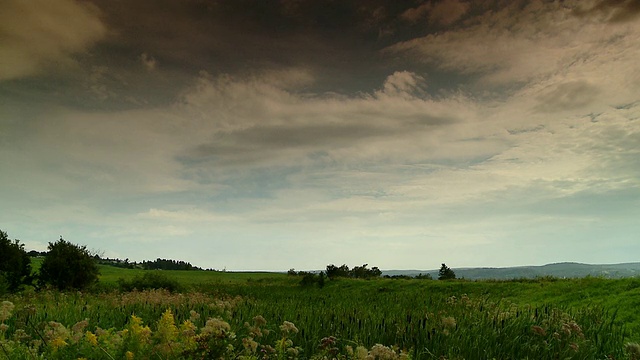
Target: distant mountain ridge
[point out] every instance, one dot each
(559, 270)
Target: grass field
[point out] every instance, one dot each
(253, 315)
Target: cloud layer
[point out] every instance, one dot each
(504, 134)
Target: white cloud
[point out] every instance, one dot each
(511, 45)
(40, 34)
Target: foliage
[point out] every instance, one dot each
(346, 320)
(309, 278)
(358, 272)
(422, 276)
(336, 272)
(15, 264)
(68, 266)
(149, 280)
(168, 264)
(445, 273)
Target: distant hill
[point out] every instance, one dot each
(559, 270)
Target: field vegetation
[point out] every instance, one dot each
(177, 314)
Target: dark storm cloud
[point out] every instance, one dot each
(256, 31)
(339, 39)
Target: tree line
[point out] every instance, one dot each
(69, 266)
(158, 264)
(66, 266)
(333, 272)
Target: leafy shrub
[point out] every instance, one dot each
(15, 264)
(150, 280)
(68, 266)
(309, 278)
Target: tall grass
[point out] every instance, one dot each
(345, 319)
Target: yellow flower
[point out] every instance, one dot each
(188, 329)
(58, 343)
(91, 338)
(136, 324)
(128, 355)
(137, 331)
(167, 329)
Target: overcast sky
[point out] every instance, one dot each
(268, 135)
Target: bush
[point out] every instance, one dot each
(68, 266)
(15, 264)
(309, 278)
(150, 280)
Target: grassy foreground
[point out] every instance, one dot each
(262, 315)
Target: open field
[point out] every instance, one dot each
(587, 318)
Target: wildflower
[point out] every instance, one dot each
(21, 336)
(539, 330)
(633, 349)
(5, 310)
(293, 352)
(250, 345)
(327, 342)
(576, 328)
(77, 330)
(361, 353)
(193, 316)
(188, 329)
(91, 338)
(58, 343)
(80, 325)
(216, 327)
(288, 327)
(449, 322)
(259, 320)
(382, 352)
(137, 330)
(167, 330)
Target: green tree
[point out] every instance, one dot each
(446, 273)
(15, 264)
(336, 272)
(68, 266)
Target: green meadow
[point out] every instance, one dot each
(270, 315)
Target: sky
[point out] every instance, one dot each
(269, 135)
